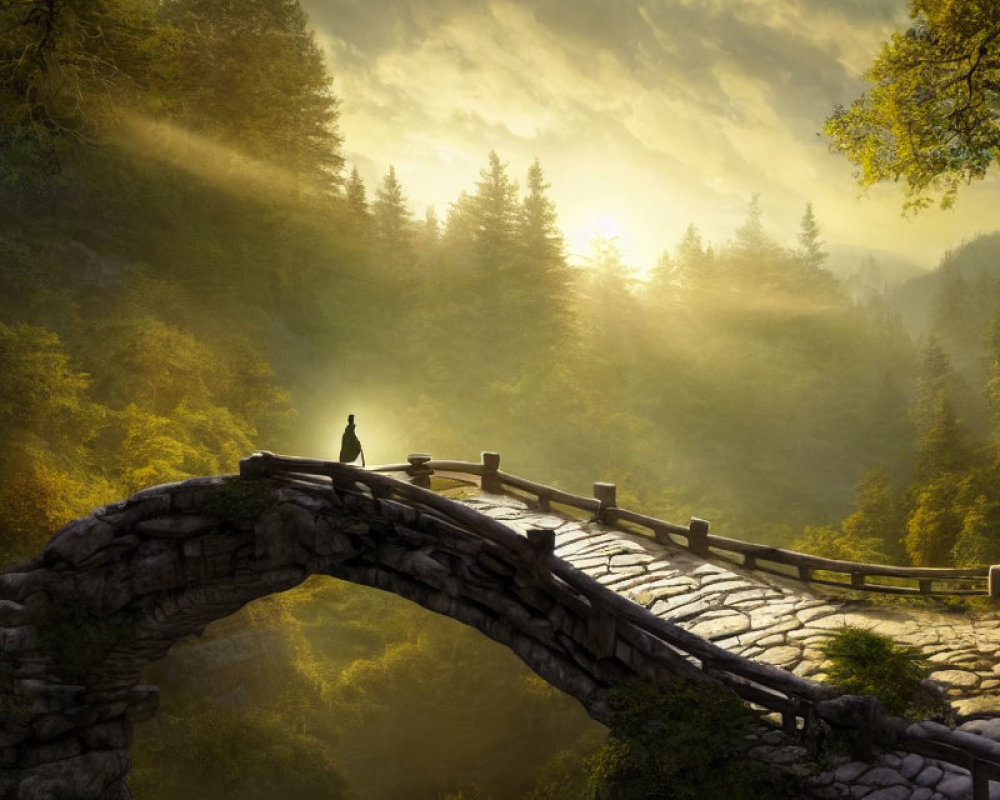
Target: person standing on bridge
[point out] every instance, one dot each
(350, 445)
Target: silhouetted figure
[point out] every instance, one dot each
(350, 446)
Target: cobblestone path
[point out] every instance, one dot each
(784, 623)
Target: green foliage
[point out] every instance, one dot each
(411, 703)
(253, 753)
(79, 640)
(240, 499)
(934, 523)
(158, 316)
(863, 662)
(63, 63)
(929, 117)
(251, 76)
(978, 542)
(680, 741)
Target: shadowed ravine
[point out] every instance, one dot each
(583, 605)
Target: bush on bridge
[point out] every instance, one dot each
(864, 662)
(683, 742)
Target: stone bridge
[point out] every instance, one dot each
(584, 604)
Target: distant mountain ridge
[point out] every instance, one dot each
(867, 271)
(973, 266)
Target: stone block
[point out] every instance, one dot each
(57, 750)
(177, 526)
(23, 637)
(423, 566)
(83, 777)
(105, 736)
(78, 540)
(11, 613)
(333, 542)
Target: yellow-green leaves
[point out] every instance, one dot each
(929, 119)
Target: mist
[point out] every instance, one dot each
(195, 264)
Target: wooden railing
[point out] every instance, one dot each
(970, 581)
(801, 704)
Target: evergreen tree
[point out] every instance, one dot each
(538, 230)
(359, 215)
(355, 195)
(250, 76)
(935, 523)
(692, 260)
(811, 252)
(945, 445)
(431, 231)
(953, 317)
(754, 261)
(750, 237)
(993, 383)
(496, 216)
(878, 520)
(935, 379)
(543, 275)
(393, 226)
(978, 542)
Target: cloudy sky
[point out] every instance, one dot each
(646, 114)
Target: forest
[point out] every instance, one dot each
(190, 271)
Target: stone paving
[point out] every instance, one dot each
(784, 624)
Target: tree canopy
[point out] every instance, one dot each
(930, 117)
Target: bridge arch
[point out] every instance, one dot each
(115, 590)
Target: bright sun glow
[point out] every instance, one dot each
(583, 232)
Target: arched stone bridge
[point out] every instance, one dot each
(584, 605)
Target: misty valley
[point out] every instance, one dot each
(193, 268)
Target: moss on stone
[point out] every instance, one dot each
(79, 640)
(240, 499)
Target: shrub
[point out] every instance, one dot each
(864, 662)
(682, 742)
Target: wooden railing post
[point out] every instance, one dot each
(698, 536)
(994, 581)
(491, 465)
(607, 495)
(980, 781)
(543, 542)
(420, 475)
(254, 466)
(857, 580)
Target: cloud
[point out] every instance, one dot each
(659, 112)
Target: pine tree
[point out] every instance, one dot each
(935, 378)
(878, 520)
(356, 200)
(945, 446)
(978, 542)
(953, 317)
(543, 274)
(935, 523)
(811, 253)
(354, 193)
(496, 214)
(750, 237)
(692, 261)
(431, 227)
(250, 76)
(393, 226)
(993, 383)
